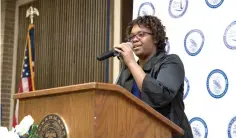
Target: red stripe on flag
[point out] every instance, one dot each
(30, 84)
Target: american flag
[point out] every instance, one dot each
(27, 72)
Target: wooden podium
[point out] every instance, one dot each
(97, 110)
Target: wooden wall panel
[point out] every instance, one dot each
(69, 34)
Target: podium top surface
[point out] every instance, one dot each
(100, 86)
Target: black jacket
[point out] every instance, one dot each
(163, 88)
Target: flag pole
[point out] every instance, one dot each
(28, 51)
(30, 13)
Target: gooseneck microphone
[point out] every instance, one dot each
(111, 53)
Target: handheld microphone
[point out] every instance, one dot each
(111, 53)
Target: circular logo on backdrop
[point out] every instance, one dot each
(214, 3)
(232, 128)
(177, 8)
(193, 42)
(230, 36)
(167, 48)
(186, 87)
(217, 83)
(199, 127)
(146, 8)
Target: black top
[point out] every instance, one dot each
(163, 88)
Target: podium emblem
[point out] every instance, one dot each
(52, 126)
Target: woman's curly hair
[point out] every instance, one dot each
(155, 25)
